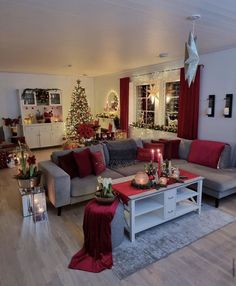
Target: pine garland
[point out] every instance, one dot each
(79, 112)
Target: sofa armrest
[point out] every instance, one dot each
(56, 182)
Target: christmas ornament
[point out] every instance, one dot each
(191, 59)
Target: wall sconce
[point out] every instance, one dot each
(228, 105)
(211, 106)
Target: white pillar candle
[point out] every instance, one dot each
(226, 111)
(209, 111)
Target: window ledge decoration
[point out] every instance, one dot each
(106, 115)
(172, 129)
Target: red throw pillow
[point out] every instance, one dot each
(97, 162)
(155, 146)
(167, 148)
(67, 163)
(144, 154)
(206, 153)
(83, 162)
(174, 147)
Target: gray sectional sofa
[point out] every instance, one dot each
(63, 191)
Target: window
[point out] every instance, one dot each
(172, 103)
(145, 107)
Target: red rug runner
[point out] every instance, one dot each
(96, 254)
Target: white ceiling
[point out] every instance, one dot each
(104, 36)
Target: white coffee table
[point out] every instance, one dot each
(154, 207)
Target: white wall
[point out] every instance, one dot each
(9, 82)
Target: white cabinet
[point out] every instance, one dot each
(57, 133)
(44, 135)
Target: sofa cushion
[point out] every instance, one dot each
(167, 148)
(184, 148)
(206, 153)
(93, 148)
(88, 185)
(155, 146)
(225, 158)
(68, 164)
(97, 162)
(144, 154)
(83, 162)
(174, 147)
(219, 180)
(131, 170)
(122, 152)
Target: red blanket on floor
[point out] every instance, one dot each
(96, 254)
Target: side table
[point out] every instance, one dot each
(34, 203)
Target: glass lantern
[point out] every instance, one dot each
(39, 204)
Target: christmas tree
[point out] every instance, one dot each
(79, 112)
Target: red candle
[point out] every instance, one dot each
(152, 154)
(159, 164)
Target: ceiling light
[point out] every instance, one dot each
(69, 66)
(194, 17)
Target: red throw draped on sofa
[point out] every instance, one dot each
(124, 103)
(188, 106)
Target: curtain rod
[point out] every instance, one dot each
(174, 69)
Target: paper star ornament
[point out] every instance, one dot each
(153, 93)
(191, 59)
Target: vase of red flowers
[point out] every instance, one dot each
(28, 176)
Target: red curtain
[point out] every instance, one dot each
(124, 103)
(188, 107)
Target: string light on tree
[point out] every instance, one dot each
(79, 112)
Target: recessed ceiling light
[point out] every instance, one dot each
(163, 55)
(194, 17)
(69, 66)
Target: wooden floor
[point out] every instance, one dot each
(38, 254)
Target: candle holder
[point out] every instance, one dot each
(211, 106)
(228, 105)
(39, 204)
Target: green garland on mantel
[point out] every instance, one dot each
(172, 129)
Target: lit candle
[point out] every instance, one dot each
(226, 111)
(152, 154)
(159, 164)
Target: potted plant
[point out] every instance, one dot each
(28, 176)
(105, 194)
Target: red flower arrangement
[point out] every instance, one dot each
(11, 122)
(85, 130)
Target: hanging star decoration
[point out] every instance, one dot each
(153, 93)
(191, 59)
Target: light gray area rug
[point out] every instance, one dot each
(160, 241)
